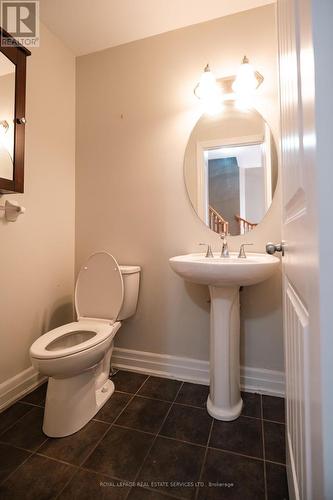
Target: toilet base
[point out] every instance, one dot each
(72, 402)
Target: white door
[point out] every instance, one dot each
(304, 34)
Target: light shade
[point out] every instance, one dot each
(209, 92)
(246, 81)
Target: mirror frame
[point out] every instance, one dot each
(17, 54)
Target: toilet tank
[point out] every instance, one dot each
(131, 279)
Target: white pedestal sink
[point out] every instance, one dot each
(224, 276)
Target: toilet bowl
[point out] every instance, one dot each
(76, 356)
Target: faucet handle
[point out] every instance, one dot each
(242, 254)
(209, 253)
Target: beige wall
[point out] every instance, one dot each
(37, 251)
(135, 112)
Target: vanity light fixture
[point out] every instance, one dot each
(247, 81)
(210, 92)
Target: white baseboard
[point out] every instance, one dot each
(18, 386)
(161, 365)
(270, 382)
(194, 370)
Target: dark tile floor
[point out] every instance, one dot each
(152, 440)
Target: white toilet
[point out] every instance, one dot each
(77, 356)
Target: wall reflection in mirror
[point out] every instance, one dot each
(7, 114)
(230, 169)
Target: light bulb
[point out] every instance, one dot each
(245, 82)
(209, 92)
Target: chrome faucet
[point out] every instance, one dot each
(209, 253)
(225, 248)
(242, 254)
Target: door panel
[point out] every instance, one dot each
(306, 81)
(295, 225)
(297, 390)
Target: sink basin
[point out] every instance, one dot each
(220, 271)
(224, 276)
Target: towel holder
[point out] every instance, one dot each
(12, 210)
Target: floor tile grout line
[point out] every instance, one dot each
(42, 444)
(16, 421)
(236, 453)
(111, 424)
(198, 407)
(16, 468)
(263, 446)
(166, 437)
(273, 421)
(35, 452)
(276, 463)
(40, 405)
(116, 478)
(261, 418)
(76, 468)
(60, 460)
(75, 472)
(27, 403)
(133, 429)
(46, 437)
(243, 455)
(168, 401)
(122, 480)
(133, 395)
(155, 438)
(204, 459)
(154, 399)
(154, 433)
(22, 448)
(109, 476)
(181, 440)
(31, 454)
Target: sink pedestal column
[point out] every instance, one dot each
(224, 400)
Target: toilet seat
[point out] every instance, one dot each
(100, 331)
(99, 295)
(99, 290)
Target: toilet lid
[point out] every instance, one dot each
(99, 290)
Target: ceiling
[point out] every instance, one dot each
(89, 25)
(248, 155)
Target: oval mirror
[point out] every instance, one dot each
(230, 169)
